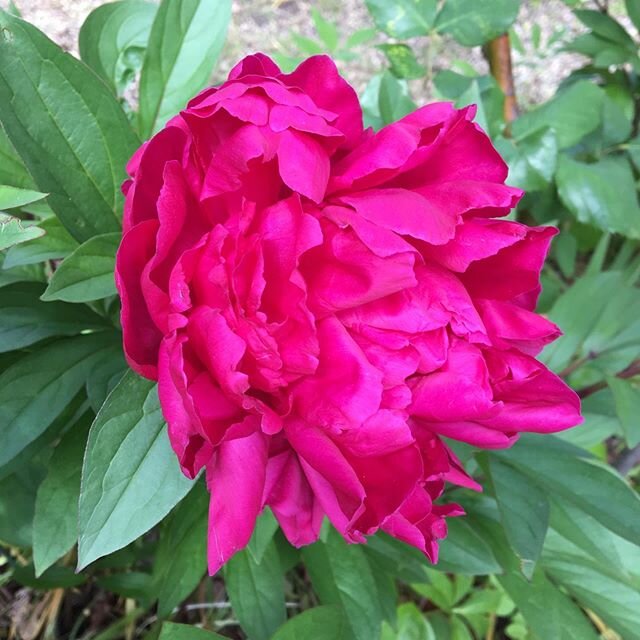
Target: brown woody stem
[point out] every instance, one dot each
(498, 54)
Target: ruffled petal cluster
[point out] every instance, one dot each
(321, 304)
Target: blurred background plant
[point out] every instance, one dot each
(550, 551)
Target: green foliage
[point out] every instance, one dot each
(552, 548)
(128, 456)
(185, 41)
(81, 173)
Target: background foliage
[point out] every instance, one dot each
(551, 550)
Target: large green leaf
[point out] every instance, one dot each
(181, 558)
(56, 243)
(69, 129)
(403, 18)
(113, 37)
(87, 273)
(55, 524)
(185, 41)
(256, 592)
(593, 486)
(341, 575)
(549, 612)
(35, 390)
(319, 623)
(524, 511)
(602, 193)
(473, 23)
(25, 320)
(465, 551)
(572, 113)
(130, 476)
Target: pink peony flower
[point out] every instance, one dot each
(320, 304)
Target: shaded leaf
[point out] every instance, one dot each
(341, 575)
(25, 320)
(256, 592)
(181, 557)
(55, 524)
(35, 390)
(87, 273)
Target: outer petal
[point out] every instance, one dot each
(318, 77)
(236, 480)
(141, 335)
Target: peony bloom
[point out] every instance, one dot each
(320, 304)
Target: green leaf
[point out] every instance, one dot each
(617, 603)
(397, 558)
(129, 584)
(587, 483)
(174, 631)
(549, 612)
(411, 625)
(110, 33)
(572, 113)
(263, 532)
(69, 129)
(602, 332)
(464, 550)
(341, 575)
(532, 159)
(54, 578)
(55, 524)
(56, 243)
(87, 273)
(185, 42)
(327, 31)
(130, 476)
(403, 18)
(318, 623)
(105, 375)
(473, 23)
(602, 193)
(394, 101)
(13, 231)
(256, 592)
(524, 511)
(633, 10)
(181, 558)
(403, 61)
(35, 390)
(12, 197)
(627, 401)
(603, 25)
(17, 500)
(25, 320)
(12, 170)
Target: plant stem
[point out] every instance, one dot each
(498, 54)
